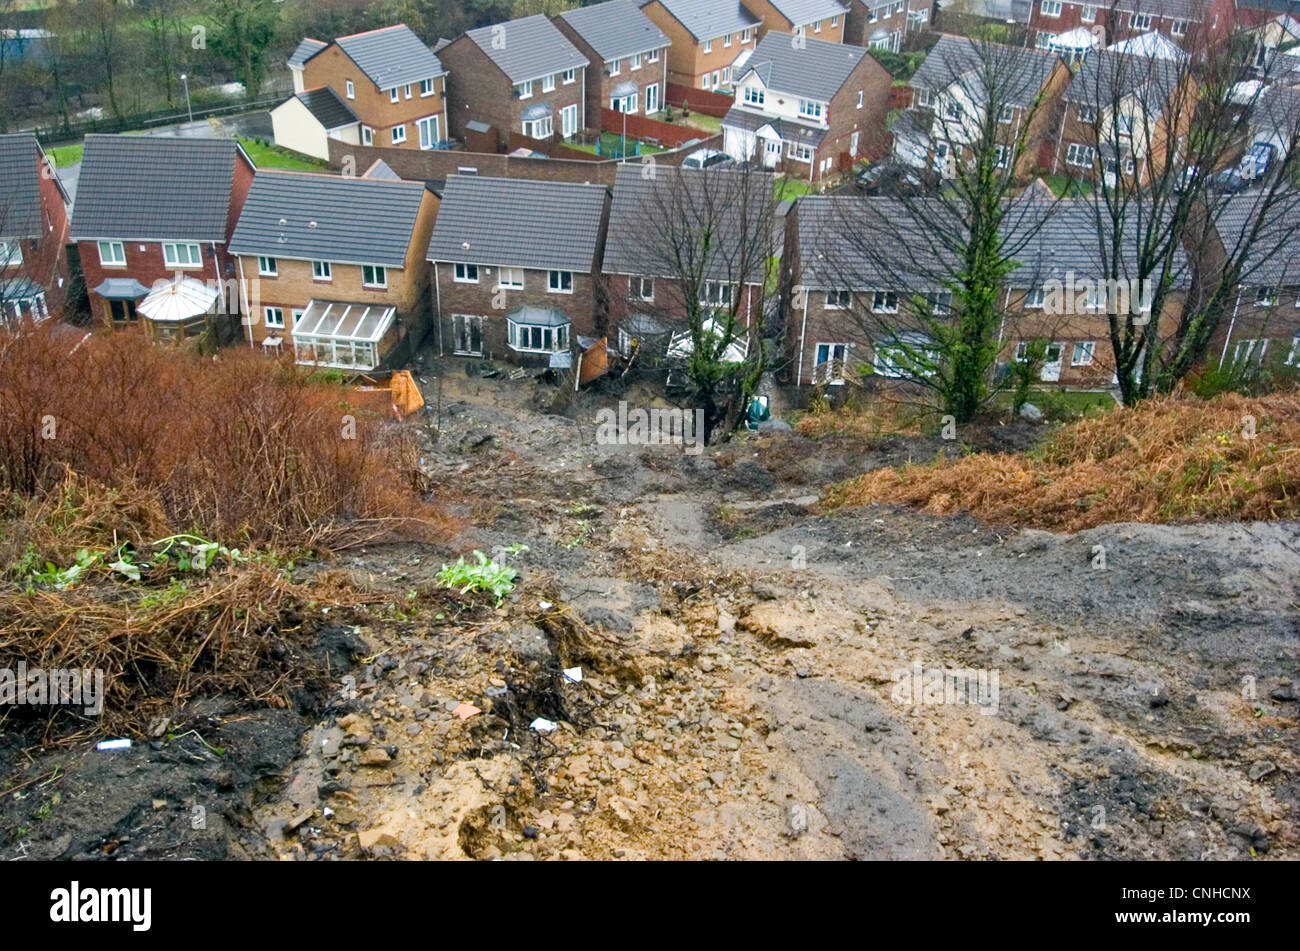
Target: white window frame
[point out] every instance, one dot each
(637, 286)
(811, 109)
(367, 135)
(378, 276)
(1086, 153)
(464, 273)
(834, 375)
(634, 63)
(1179, 27)
(267, 266)
(754, 95)
(1088, 14)
(1139, 21)
(555, 281)
(569, 120)
(511, 278)
(558, 336)
(1266, 296)
(524, 90)
(433, 125)
(321, 271)
(615, 67)
(923, 97)
(545, 126)
(116, 256)
(1007, 114)
(708, 46)
(889, 304)
(273, 317)
(1050, 8)
(715, 294)
(652, 56)
(171, 257)
(350, 89)
(1082, 353)
(394, 95)
(398, 139)
(548, 83)
(426, 88)
(570, 76)
(839, 298)
(11, 253)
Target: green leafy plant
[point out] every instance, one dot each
(482, 575)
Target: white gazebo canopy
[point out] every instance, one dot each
(178, 300)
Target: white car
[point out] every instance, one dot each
(706, 158)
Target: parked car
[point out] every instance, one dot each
(892, 178)
(1255, 163)
(707, 158)
(1229, 180)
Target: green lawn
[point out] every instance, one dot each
(65, 155)
(787, 188)
(272, 156)
(697, 120)
(611, 141)
(1058, 184)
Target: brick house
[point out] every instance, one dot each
(627, 56)
(653, 214)
(808, 107)
(1119, 111)
(389, 78)
(950, 98)
(523, 77)
(884, 24)
(1264, 329)
(707, 38)
(333, 267)
(150, 208)
(515, 265)
(1187, 22)
(34, 271)
(304, 51)
(817, 19)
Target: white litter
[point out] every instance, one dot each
(573, 674)
(543, 725)
(113, 745)
(545, 605)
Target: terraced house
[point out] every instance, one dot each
(807, 107)
(515, 265)
(627, 56)
(33, 232)
(707, 38)
(153, 210)
(523, 77)
(332, 268)
(819, 19)
(389, 78)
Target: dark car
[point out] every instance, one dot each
(1229, 180)
(883, 178)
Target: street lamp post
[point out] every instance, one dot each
(185, 80)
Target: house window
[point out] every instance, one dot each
(1265, 297)
(810, 109)
(511, 278)
(1086, 114)
(559, 282)
(374, 275)
(1043, 40)
(952, 110)
(754, 96)
(394, 95)
(828, 365)
(817, 27)
(267, 267)
(1088, 14)
(548, 83)
(1006, 114)
(726, 41)
(426, 87)
(1034, 299)
(1000, 156)
(538, 339)
(939, 302)
(569, 76)
(367, 135)
(652, 56)
(1179, 27)
(745, 34)
(569, 120)
(624, 103)
(641, 288)
(636, 61)
(909, 357)
(273, 317)
(1083, 353)
(1050, 8)
(407, 90)
(615, 67)
(542, 128)
(11, 254)
(320, 271)
(800, 153)
(839, 299)
(399, 134)
(182, 255)
(524, 90)
(923, 97)
(1250, 351)
(1080, 155)
(352, 90)
(466, 274)
(112, 254)
(715, 294)
(835, 21)
(429, 133)
(708, 46)
(885, 302)
(1139, 21)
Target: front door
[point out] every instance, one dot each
(771, 153)
(652, 98)
(468, 334)
(1052, 363)
(828, 367)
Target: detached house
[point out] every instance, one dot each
(819, 19)
(515, 265)
(522, 77)
(1187, 22)
(1120, 111)
(951, 95)
(33, 232)
(627, 56)
(882, 24)
(389, 78)
(332, 268)
(807, 107)
(304, 51)
(151, 210)
(707, 38)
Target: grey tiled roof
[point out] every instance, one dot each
(1107, 75)
(1192, 10)
(616, 28)
(304, 51)
(328, 218)
(150, 187)
(516, 222)
(816, 70)
(1274, 256)
(393, 56)
(788, 129)
(709, 19)
(528, 48)
(20, 186)
(640, 201)
(802, 12)
(860, 243)
(1018, 73)
(324, 103)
